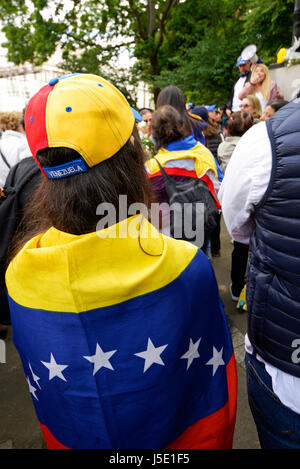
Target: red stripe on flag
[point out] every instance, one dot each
(175, 172)
(216, 430)
(210, 186)
(50, 440)
(190, 174)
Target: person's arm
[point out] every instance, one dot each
(248, 89)
(245, 182)
(224, 154)
(275, 92)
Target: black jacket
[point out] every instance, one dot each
(248, 75)
(20, 184)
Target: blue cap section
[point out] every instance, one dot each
(67, 169)
(136, 114)
(211, 108)
(53, 81)
(69, 75)
(241, 61)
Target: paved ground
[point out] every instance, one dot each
(19, 428)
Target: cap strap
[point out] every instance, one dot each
(67, 169)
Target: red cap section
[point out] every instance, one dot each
(35, 121)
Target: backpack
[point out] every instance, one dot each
(193, 217)
(11, 210)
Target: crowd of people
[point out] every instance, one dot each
(124, 341)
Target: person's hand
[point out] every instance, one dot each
(278, 93)
(1, 192)
(258, 75)
(255, 76)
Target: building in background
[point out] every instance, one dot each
(19, 82)
(143, 97)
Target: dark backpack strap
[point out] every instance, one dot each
(10, 216)
(168, 180)
(17, 182)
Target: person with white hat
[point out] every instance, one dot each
(244, 69)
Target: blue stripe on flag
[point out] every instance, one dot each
(128, 401)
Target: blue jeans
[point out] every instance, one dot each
(278, 427)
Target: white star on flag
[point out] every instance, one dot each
(34, 377)
(152, 355)
(216, 360)
(192, 352)
(55, 369)
(100, 359)
(32, 389)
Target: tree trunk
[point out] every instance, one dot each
(296, 22)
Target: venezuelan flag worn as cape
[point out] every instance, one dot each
(123, 340)
(188, 158)
(187, 148)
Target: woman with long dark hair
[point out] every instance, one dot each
(213, 138)
(181, 157)
(174, 96)
(98, 297)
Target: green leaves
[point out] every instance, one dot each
(205, 70)
(269, 24)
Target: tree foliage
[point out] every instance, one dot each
(209, 65)
(193, 43)
(207, 70)
(269, 24)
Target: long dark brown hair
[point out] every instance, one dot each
(167, 126)
(175, 97)
(69, 204)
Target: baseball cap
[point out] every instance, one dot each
(201, 111)
(211, 108)
(83, 112)
(241, 61)
(136, 115)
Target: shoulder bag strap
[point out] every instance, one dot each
(168, 180)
